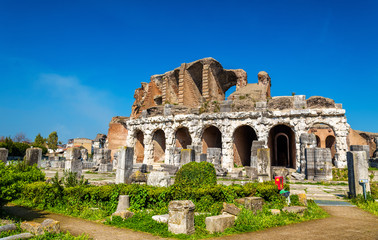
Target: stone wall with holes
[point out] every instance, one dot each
(262, 122)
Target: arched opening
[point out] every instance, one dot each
(317, 141)
(282, 146)
(243, 137)
(158, 142)
(183, 138)
(331, 143)
(139, 147)
(211, 138)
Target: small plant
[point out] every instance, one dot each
(70, 179)
(241, 97)
(293, 94)
(196, 175)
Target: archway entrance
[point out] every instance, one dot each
(158, 142)
(282, 146)
(183, 138)
(211, 138)
(243, 137)
(139, 147)
(325, 137)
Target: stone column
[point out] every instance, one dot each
(307, 140)
(323, 164)
(125, 164)
(84, 154)
(187, 156)
(33, 156)
(310, 163)
(3, 154)
(73, 161)
(357, 169)
(365, 148)
(181, 217)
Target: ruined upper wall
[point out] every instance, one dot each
(190, 85)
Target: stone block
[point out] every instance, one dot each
(280, 171)
(105, 167)
(125, 165)
(88, 165)
(263, 163)
(51, 226)
(310, 163)
(72, 154)
(298, 176)
(3, 155)
(214, 156)
(8, 227)
(138, 177)
(33, 156)
(159, 179)
(123, 214)
(275, 211)
(187, 156)
(219, 223)
(123, 203)
(101, 155)
(167, 110)
(177, 159)
(300, 102)
(75, 166)
(323, 164)
(254, 204)
(307, 140)
(19, 236)
(231, 209)
(171, 169)
(221, 172)
(251, 172)
(181, 217)
(161, 218)
(226, 106)
(357, 169)
(302, 198)
(295, 209)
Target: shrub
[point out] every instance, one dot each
(13, 179)
(196, 175)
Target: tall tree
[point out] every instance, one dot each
(39, 140)
(52, 141)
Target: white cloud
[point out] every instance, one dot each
(78, 99)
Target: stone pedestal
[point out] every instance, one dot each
(33, 156)
(123, 203)
(365, 148)
(254, 203)
(3, 155)
(308, 140)
(357, 169)
(75, 166)
(72, 153)
(318, 164)
(125, 164)
(181, 217)
(219, 223)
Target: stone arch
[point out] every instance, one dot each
(211, 137)
(242, 143)
(139, 146)
(182, 137)
(331, 143)
(282, 144)
(159, 145)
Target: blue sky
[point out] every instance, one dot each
(69, 66)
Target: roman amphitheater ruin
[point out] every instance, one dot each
(183, 114)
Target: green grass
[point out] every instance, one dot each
(246, 222)
(340, 174)
(370, 204)
(321, 183)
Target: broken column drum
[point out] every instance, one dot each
(181, 217)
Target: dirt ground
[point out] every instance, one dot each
(344, 223)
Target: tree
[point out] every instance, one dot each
(20, 137)
(52, 141)
(39, 140)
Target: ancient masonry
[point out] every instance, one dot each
(186, 109)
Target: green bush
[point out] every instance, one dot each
(14, 177)
(196, 175)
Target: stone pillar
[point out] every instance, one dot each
(33, 156)
(181, 217)
(357, 169)
(365, 148)
(125, 165)
(263, 164)
(3, 154)
(197, 151)
(310, 163)
(323, 164)
(307, 140)
(73, 161)
(101, 155)
(123, 203)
